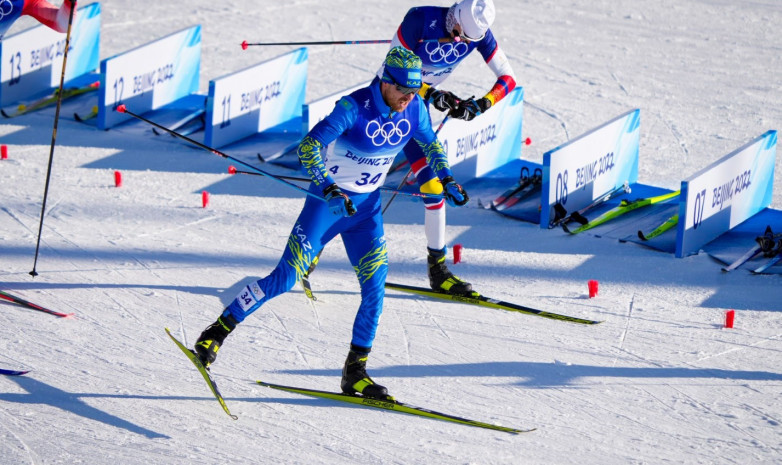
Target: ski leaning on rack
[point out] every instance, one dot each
(50, 100)
(17, 300)
(524, 184)
(524, 188)
(392, 404)
(477, 299)
(562, 217)
(751, 253)
(625, 206)
(204, 372)
(85, 117)
(766, 244)
(13, 372)
(667, 224)
(179, 125)
(771, 245)
(771, 262)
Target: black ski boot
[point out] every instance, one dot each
(212, 338)
(440, 277)
(355, 378)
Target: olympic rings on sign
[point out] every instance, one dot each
(6, 10)
(388, 133)
(448, 52)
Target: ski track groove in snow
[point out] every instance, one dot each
(730, 424)
(8, 424)
(289, 336)
(628, 318)
(736, 349)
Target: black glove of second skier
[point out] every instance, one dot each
(469, 109)
(442, 99)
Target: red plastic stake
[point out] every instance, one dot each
(527, 141)
(232, 169)
(593, 285)
(4, 152)
(205, 198)
(117, 179)
(729, 316)
(457, 253)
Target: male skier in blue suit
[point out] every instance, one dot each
(348, 155)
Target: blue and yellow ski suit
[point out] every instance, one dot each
(353, 147)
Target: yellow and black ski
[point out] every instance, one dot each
(204, 372)
(625, 206)
(392, 404)
(50, 100)
(665, 226)
(483, 301)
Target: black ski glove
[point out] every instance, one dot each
(442, 99)
(469, 109)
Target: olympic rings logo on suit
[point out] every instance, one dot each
(6, 10)
(388, 132)
(448, 52)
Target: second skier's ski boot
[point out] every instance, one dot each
(212, 338)
(355, 378)
(440, 277)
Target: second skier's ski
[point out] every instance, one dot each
(477, 299)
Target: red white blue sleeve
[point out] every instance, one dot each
(499, 64)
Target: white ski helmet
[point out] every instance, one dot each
(474, 16)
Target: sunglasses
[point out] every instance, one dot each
(406, 90)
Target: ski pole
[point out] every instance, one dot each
(246, 44)
(34, 273)
(123, 109)
(410, 171)
(384, 188)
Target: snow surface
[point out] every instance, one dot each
(659, 381)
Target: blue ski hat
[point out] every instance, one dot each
(402, 67)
